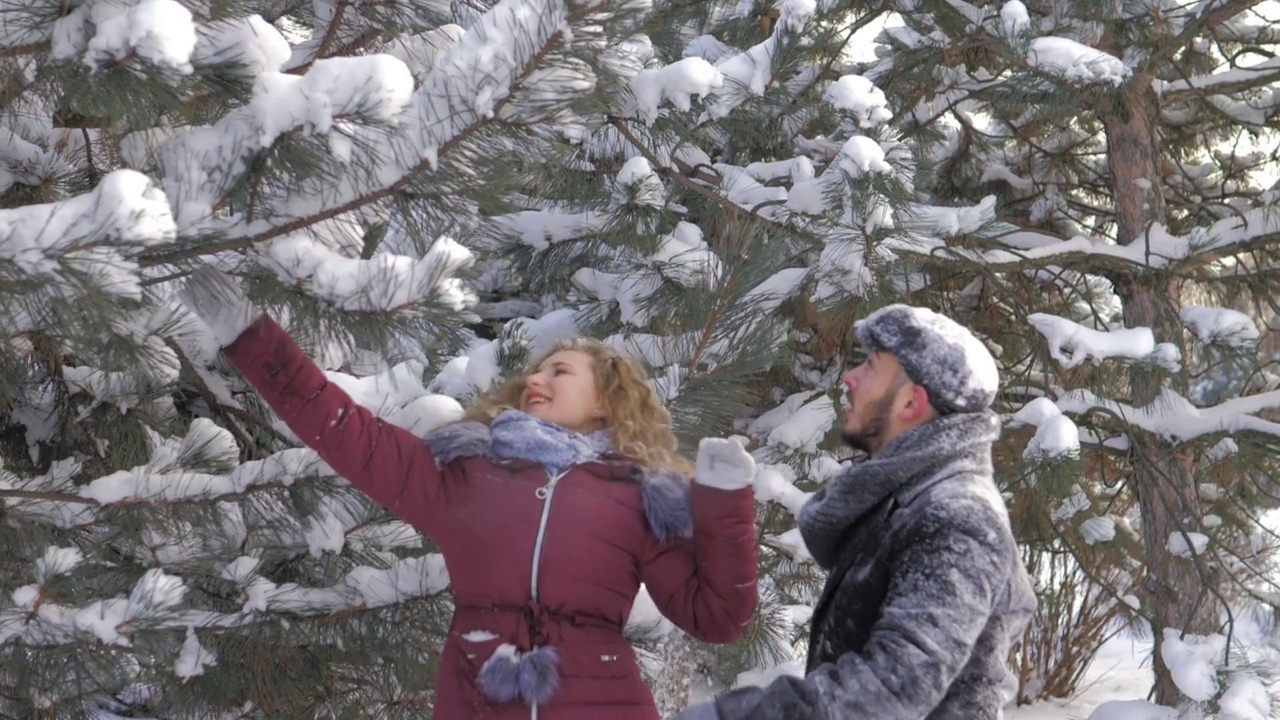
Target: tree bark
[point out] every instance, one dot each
(1164, 480)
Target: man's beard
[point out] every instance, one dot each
(868, 438)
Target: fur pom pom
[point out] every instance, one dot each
(499, 679)
(509, 675)
(539, 675)
(666, 504)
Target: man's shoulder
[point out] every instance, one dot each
(955, 486)
(966, 503)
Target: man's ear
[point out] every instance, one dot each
(916, 408)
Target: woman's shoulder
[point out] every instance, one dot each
(459, 440)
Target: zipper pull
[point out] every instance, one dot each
(542, 492)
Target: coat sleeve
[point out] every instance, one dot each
(946, 579)
(706, 585)
(388, 463)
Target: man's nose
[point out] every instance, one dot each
(850, 379)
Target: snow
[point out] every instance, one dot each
(160, 31)
(250, 42)
(750, 72)
(775, 483)
(1071, 505)
(1132, 710)
(1098, 529)
(193, 658)
(1225, 448)
(1036, 411)
(57, 561)
(408, 578)
(1119, 672)
(1076, 62)
(421, 52)
(791, 543)
(1187, 544)
(1174, 417)
(90, 233)
(857, 157)
(1086, 343)
(383, 282)
(363, 587)
(1192, 661)
(765, 422)
(1265, 71)
(155, 593)
(1220, 325)
(1246, 699)
(860, 156)
(1056, 437)
(676, 83)
(1014, 19)
(804, 430)
(645, 619)
(860, 98)
(952, 221)
(313, 101)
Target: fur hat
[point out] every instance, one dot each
(954, 367)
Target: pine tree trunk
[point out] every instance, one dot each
(1164, 481)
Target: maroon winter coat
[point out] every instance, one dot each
(598, 544)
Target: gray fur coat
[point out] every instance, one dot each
(926, 591)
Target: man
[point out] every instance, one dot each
(926, 590)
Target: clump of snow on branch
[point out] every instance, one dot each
(90, 233)
(158, 31)
(1174, 417)
(860, 99)
(1187, 544)
(1085, 343)
(1075, 62)
(676, 83)
(1220, 325)
(383, 282)
(282, 101)
(1193, 661)
(1014, 20)
(193, 658)
(749, 72)
(1056, 434)
(250, 42)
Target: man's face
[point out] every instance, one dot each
(876, 395)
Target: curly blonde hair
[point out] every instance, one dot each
(638, 422)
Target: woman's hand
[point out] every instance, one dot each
(216, 299)
(724, 464)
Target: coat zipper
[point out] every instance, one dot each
(544, 493)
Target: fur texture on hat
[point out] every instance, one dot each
(954, 367)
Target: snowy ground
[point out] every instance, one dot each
(1120, 672)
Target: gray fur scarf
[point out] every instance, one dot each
(907, 465)
(515, 435)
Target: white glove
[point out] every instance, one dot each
(217, 300)
(724, 464)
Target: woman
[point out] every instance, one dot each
(559, 495)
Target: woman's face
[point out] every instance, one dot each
(563, 390)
